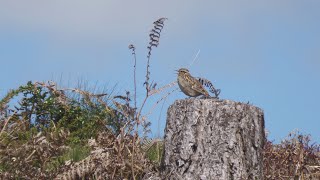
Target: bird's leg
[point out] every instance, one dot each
(205, 97)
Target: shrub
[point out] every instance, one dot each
(293, 158)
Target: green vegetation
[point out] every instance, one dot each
(44, 128)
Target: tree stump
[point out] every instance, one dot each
(213, 139)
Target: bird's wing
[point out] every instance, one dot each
(197, 86)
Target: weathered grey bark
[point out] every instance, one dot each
(213, 139)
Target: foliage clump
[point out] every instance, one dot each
(294, 158)
(42, 127)
(48, 132)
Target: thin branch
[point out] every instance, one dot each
(30, 155)
(156, 91)
(143, 103)
(161, 99)
(158, 133)
(6, 123)
(131, 46)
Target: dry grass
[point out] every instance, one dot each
(110, 159)
(294, 158)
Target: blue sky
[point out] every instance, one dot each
(267, 53)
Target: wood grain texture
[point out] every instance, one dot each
(213, 139)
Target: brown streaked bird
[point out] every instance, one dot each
(189, 85)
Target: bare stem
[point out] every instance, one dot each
(143, 103)
(131, 46)
(6, 123)
(156, 91)
(161, 99)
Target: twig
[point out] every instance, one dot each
(162, 98)
(6, 123)
(30, 155)
(143, 103)
(154, 42)
(131, 46)
(155, 91)
(158, 133)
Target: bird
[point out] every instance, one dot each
(189, 85)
